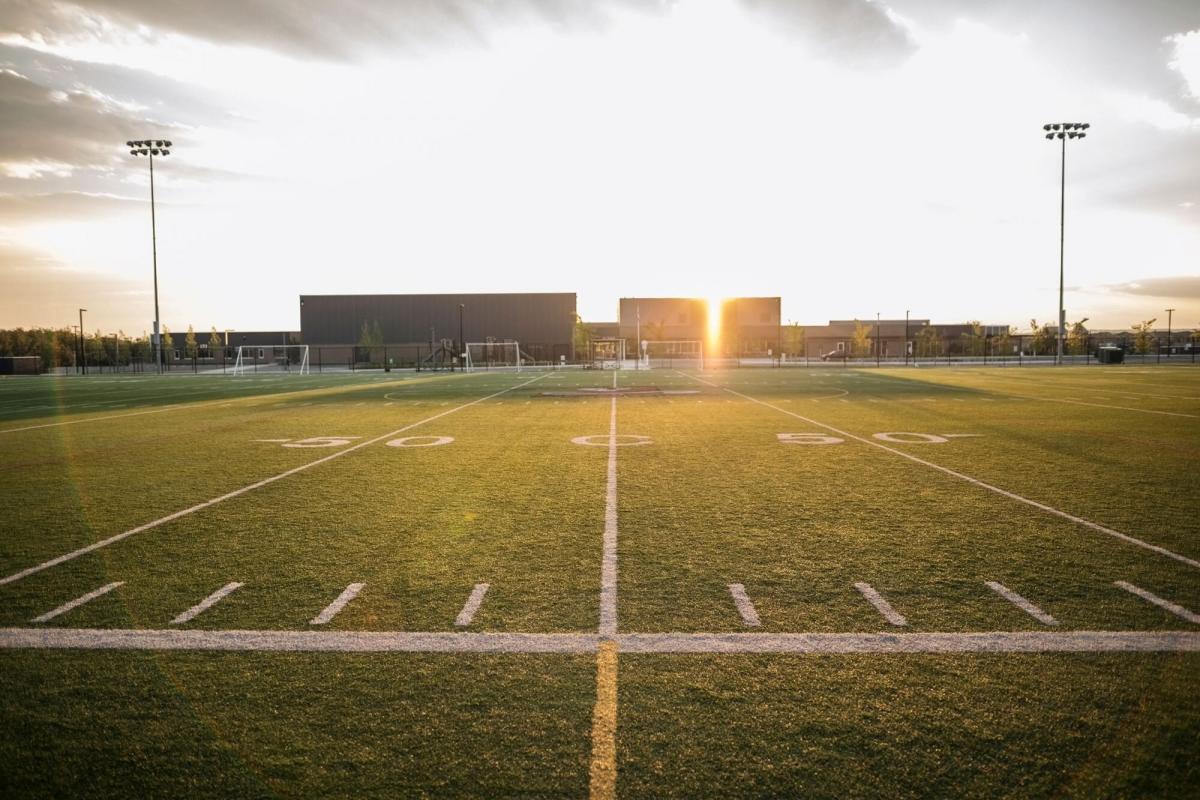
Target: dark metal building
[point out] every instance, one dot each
(543, 323)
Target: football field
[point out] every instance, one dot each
(822, 582)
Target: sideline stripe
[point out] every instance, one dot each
(207, 603)
(1021, 603)
(982, 484)
(744, 606)
(454, 642)
(602, 783)
(1175, 609)
(16, 576)
(331, 610)
(608, 566)
(881, 605)
(473, 603)
(78, 601)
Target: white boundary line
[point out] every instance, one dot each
(982, 484)
(608, 564)
(882, 606)
(207, 603)
(77, 602)
(454, 642)
(16, 576)
(331, 610)
(1175, 609)
(1021, 603)
(744, 606)
(472, 605)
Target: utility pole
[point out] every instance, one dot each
(82, 342)
(462, 343)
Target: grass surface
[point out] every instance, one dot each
(715, 499)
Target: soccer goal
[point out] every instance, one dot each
(607, 353)
(271, 359)
(493, 355)
(673, 354)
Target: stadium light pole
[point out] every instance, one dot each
(82, 342)
(151, 148)
(906, 312)
(462, 357)
(1170, 312)
(1063, 131)
(878, 344)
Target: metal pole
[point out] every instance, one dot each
(82, 341)
(1062, 229)
(1170, 312)
(906, 311)
(878, 344)
(154, 255)
(462, 353)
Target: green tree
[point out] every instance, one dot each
(168, 342)
(795, 339)
(371, 335)
(1143, 335)
(862, 338)
(972, 340)
(1043, 338)
(189, 342)
(1077, 338)
(215, 343)
(927, 341)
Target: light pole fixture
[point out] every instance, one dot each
(1063, 131)
(82, 342)
(1170, 312)
(151, 148)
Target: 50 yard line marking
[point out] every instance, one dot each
(975, 481)
(16, 576)
(602, 774)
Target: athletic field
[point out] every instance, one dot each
(821, 582)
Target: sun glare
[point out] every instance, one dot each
(715, 304)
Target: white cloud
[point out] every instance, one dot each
(1186, 59)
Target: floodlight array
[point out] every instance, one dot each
(149, 147)
(1066, 130)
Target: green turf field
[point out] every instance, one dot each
(822, 582)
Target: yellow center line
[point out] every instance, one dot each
(603, 783)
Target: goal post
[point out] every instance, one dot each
(673, 354)
(289, 359)
(493, 355)
(607, 353)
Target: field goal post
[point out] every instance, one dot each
(271, 358)
(493, 355)
(607, 353)
(673, 353)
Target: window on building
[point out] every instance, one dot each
(176, 355)
(260, 352)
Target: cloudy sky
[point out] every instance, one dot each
(852, 156)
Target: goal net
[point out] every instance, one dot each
(607, 353)
(493, 355)
(285, 359)
(673, 354)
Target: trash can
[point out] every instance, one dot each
(1110, 355)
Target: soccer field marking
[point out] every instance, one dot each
(605, 440)
(608, 565)
(1167, 605)
(472, 605)
(1124, 537)
(464, 642)
(16, 576)
(1104, 405)
(207, 603)
(602, 772)
(744, 606)
(331, 610)
(881, 605)
(77, 602)
(1021, 603)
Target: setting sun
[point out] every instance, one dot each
(715, 304)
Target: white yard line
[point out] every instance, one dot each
(472, 605)
(744, 606)
(77, 602)
(16, 576)
(1021, 603)
(331, 610)
(1175, 609)
(207, 603)
(974, 481)
(881, 605)
(462, 642)
(608, 565)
